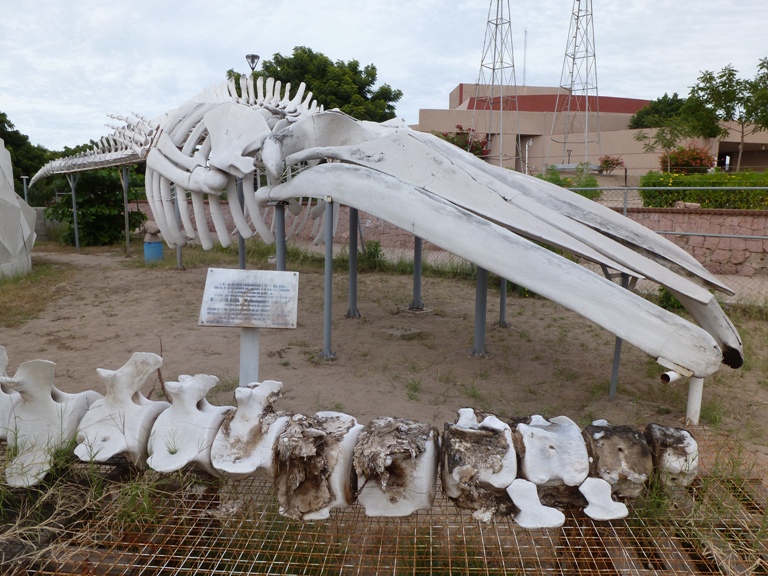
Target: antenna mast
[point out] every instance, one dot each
(577, 109)
(496, 88)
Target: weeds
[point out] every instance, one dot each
(412, 388)
(23, 298)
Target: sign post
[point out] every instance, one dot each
(249, 300)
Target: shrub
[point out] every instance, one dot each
(610, 163)
(703, 190)
(581, 179)
(466, 139)
(689, 159)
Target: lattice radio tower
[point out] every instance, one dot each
(496, 88)
(577, 111)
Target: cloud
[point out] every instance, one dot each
(64, 66)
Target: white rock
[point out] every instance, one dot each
(183, 434)
(245, 442)
(533, 515)
(601, 506)
(120, 423)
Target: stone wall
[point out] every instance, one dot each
(740, 256)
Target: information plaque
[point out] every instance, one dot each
(250, 298)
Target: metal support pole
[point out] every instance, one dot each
(249, 356)
(352, 311)
(626, 200)
(177, 209)
(503, 303)
(328, 286)
(481, 306)
(240, 239)
(617, 351)
(280, 248)
(418, 249)
(695, 392)
(72, 179)
(124, 180)
(24, 179)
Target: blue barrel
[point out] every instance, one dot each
(153, 251)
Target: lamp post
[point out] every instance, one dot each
(253, 60)
(24, 179)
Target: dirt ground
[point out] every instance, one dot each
(390, 361)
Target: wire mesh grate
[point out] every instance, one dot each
(147, 524)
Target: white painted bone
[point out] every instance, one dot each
(532, 515)
(600, 504)
(396, 464)
(554, 452)
(479, 463)
(120, 423)
(183, 434)
(245, 443)
(313, 468)
(620, 455)
(675, 454)
(42, 421)
(7, 401)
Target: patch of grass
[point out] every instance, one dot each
(712, 412)
(412, 388)
(23, 298)
(472, 391)
(446, 377)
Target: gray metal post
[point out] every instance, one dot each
(249, 356)
(481, 306)
(24, 179)
(328, 286)
(626, 200)
(617, 351)
(124, 181)
(240, 239)
(177, 208)
(418, 249)
(280, 236)
(354, 223)
(503, 303)
(72, 179)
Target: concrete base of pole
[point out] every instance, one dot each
(481, 308)
(695, 392)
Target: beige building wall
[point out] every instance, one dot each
(540, 149)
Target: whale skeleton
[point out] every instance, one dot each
(288, 149)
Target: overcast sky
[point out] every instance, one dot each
(66, 64)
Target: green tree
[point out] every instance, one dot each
(343, 85)
(26, 160)
(658, 112)
(100, 208)
(730, 99)
(665, 138)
